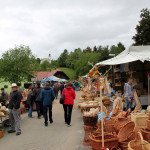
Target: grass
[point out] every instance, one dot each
(70, 73)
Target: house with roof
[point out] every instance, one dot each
(39, 76)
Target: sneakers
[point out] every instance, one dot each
(46, 124)
(18, 133)
(11, 131)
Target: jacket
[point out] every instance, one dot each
(15, 99)
(69, 95)
(37, 93)
(30, 98)
(128, 90)
(47, 96)
(56, 87)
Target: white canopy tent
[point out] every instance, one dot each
(134, 53)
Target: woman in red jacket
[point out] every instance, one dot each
(68, 102)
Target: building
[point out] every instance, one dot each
(46, 59)
(39, 76)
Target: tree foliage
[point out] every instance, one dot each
(142, 37)
(17, 64)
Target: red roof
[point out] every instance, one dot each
(44, 74)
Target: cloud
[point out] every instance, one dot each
(51, 26)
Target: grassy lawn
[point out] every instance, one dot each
(69, 72)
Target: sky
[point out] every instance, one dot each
(50, 26)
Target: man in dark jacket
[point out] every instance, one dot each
(39, 106)
(14, 113)
(56, 89)
(47, 96)
(61, 88)
(4, 96)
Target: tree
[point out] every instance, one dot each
(117, 49)
(45, 64)
(95, 49)
(17, 64)
(142, 37)
(38, 60)
(62, 59)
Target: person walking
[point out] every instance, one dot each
(56, 89)
(68, 102)
(47, 96)
(61, 88)
(30, 101)
(14, 112)
(128, 94)
(39, 106)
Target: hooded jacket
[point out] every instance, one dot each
(37, 93)
(69, 95)
(47, 96)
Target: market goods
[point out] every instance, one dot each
(140, 119)
(127, 132)
(148, 124)
(3, 108)
(109, 125)
(107, 103)
(123, 145)
(105, 98)
(90, 121)
(146, 134)
(1, 133)
(2, 114)
(138, 143)
(120, 122)
(110, 141)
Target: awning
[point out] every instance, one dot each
(49, 79)
(134, 53)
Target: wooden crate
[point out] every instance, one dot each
(140, 119)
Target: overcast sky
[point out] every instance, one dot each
(50, 26)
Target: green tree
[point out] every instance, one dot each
(44, 65)
(38, 60)
(142, 37)
(17, 64)
(62, 59)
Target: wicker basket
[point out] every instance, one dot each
(110, 141)
(120, 122)
(1, 133)
(90, 121)
(109, 125)
(123, 145)
(148, 124)
(146, 134)
(138, 143)
(127, 132)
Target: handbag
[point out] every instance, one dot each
(62, 98)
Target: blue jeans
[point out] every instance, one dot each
(129, 104)
(30, 110)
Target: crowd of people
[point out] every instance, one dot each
(43, 97)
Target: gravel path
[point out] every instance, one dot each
(57, 136)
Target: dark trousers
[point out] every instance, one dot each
(45, 110)
(67, 113)
(38, 108)
(56, 94)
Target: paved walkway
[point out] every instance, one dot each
(57, 136)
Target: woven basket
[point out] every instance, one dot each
(120, 122)
(127, 132)
(1, 133)
(123, 145)
(138, 143)
(146, 134)
(110, 141)
(109, 125)
(148, 124)
(90, 121)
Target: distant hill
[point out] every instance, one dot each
(70, 73)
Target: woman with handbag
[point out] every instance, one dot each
(69, 96)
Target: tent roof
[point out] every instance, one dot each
(134, 53)
(50, 78)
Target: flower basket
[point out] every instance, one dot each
(146, 134)
(127, 132)
(90, 121)
(138, 143)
